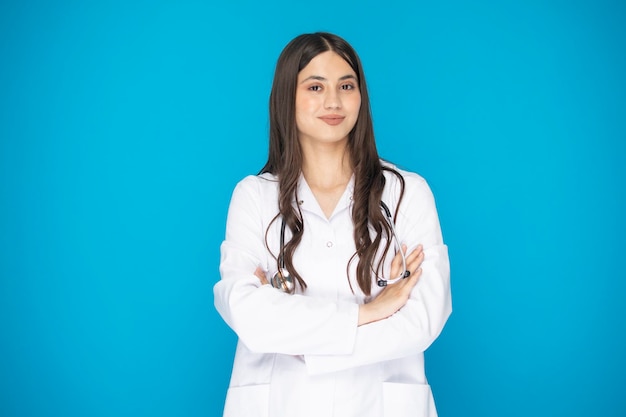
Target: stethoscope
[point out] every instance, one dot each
(283, 280)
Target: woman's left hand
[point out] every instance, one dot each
(394, 296)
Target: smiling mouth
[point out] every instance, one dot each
(332, 120)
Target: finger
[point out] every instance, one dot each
(418, 251)
(397, 259)
(415, 254)
(414, 260)
(260, 274)
(415, 263)
(396, 262)
(417, 274)
(412, 279)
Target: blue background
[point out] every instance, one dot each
(125, 126)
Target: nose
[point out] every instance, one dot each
(332, 100)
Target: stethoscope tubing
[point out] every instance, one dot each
(382, 282)
(283, 280)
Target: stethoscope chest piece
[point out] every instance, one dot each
(282, 280)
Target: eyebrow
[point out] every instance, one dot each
(320, 78)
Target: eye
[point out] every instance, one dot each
(315, 88)
(348, 87)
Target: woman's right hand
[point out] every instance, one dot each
(260, 274)
(394, 296)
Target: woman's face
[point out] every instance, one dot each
(327, 99)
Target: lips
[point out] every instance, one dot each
(332, 119)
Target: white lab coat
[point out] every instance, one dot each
(303, 354)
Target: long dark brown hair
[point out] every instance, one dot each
(285, 158)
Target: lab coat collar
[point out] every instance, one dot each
(307, 201)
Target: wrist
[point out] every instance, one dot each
(366, 314)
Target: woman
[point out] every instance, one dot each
(333, 318)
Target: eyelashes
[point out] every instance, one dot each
(344, 87)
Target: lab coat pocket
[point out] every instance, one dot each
(407, 400)
(247, 401)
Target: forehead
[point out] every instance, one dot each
(328, 65)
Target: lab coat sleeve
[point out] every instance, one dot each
(266, 319)
(416, 325)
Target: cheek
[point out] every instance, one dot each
(303, 118)
(305, 105)
(300, 122)
(355, 104)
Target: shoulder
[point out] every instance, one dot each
(410, 182)
(253, 196)
(257, 184)
(415, 204)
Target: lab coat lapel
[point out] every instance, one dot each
(307, 201)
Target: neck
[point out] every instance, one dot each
(326, 167)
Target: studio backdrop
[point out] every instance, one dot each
(124, 126)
